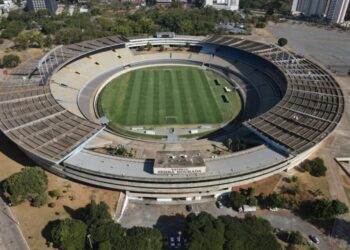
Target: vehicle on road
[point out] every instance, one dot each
(274, 209)
(314, 239)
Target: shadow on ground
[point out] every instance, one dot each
(8, 148)
(171, 225)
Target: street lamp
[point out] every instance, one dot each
(89, 238)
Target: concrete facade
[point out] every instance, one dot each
(223, 4)
(333, 10)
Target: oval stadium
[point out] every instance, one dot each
(169, 119)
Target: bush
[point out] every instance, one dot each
(260, 25)
(40, 200)
(294, 178)
(11, 61)
(55, 193)
(282, 42)
(315, 167)
(52, 204)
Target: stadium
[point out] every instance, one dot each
(169, 103)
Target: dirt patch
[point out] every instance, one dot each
(300, 185)
(265, 186)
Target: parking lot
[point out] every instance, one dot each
(171, 219)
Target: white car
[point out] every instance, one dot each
(314, 239)
(273, 209)
(172, 242)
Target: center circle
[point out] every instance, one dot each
(154, 101)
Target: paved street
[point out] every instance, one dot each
(171, 218)
(10, 234)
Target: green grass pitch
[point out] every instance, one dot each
(164, 95)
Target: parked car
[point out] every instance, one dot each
(189, 208)
(314, 239)
(273, 209)
(172, 242)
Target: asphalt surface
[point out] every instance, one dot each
(11, 237)
(330, 47)
(170, 219)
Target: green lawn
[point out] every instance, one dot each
(167, 96)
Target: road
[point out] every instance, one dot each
(11, 237)
(170, 219)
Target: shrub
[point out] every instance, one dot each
(52, 204)
(40, 200)
(294, 178)
(282, 42)
(260, 25)
(11, 61)
(315, 167)
(55, 193)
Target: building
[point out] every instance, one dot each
(179, 163)
(333, 10)
(223, 4)
(35, 5)
(309, 7)
(336, 10)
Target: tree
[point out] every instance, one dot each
(272, 200)
(296, 238)
(292, 237)
(144, 238)
(69, 234)
(11, 61)
(237, 200)
(25, 185)
(204, 232)
(68, 36)
(323, 208)
(315, 167)
(30, 39)
(249, 233)
(101, 225)
(13, 29)
(105, 245)
(282, 42)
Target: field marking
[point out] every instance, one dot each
(147, 96)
